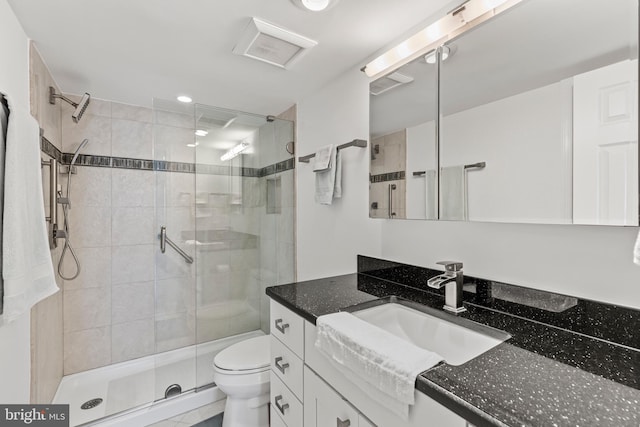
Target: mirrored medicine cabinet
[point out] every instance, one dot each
(529, 117)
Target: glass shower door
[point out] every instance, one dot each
(175, 264)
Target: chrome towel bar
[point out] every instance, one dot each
(355, 143)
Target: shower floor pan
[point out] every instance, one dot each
(140, 385)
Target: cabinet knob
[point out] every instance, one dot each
(340, 423)
(281, 326)
(280, 407)
(281, 366)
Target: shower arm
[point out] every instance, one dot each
(53, 95)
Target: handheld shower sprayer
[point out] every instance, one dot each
(80, 107)
(66, 205)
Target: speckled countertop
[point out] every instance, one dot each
(545, 375)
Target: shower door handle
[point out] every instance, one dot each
(391, 212)
(164, 241)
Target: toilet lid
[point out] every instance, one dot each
(246, 355)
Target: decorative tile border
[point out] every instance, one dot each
(391, 176)
(161, 165)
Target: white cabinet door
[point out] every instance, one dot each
(324, 407)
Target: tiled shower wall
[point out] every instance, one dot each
(46, 316)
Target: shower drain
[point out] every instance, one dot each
(90, 404)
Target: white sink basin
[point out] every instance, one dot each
(457, 344)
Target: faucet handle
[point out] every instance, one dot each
(451, 265)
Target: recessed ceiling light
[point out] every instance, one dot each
(195, 144)
(184, 98)
(315, 5)
(202, 132)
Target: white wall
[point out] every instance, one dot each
(525, 141)
(330, 237)
(14, 81)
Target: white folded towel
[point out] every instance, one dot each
(454, 193)
(636, 251)
(337, 187)
(323, 158)
(26, 265)
(387, 363)
(325, 181)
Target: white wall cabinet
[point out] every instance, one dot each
(307, 390)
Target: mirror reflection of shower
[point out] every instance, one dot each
(66, 205)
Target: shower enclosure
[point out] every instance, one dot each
(220, 187)
(224, 193)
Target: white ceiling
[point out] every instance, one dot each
(133, 50)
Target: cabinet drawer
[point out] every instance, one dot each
(284, 403)
(288, 327)
(287, 366)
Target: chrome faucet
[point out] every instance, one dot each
(453, 279)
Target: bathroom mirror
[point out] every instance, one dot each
(403, 143)
(538, 116)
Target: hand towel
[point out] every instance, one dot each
(636, 251)
(27, 268)
(385, 362)
(337, 188)
(454, 193)
(325, 182)
(323, 158)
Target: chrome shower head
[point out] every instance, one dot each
(80, 107)
(77, 152)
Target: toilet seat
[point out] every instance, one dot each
(246, 357)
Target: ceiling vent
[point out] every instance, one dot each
(386, 83)
(274, 45)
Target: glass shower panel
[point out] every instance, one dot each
(175, 272)
(236, 246)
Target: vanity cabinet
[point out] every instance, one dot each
(308, 390)
(287, 356)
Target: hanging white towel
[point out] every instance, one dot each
(325, 182)
(337, 188)
(636, 251)
(323, 159)
(454, 193)
(27, 267)
(376, 357)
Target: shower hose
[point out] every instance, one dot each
(66, 205)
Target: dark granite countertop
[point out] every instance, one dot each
(544, 376)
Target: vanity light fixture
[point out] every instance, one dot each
(315, 5)
(184, 98)
(465, 16)
(233, 152)
(201, 132)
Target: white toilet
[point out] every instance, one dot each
(242, 372)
